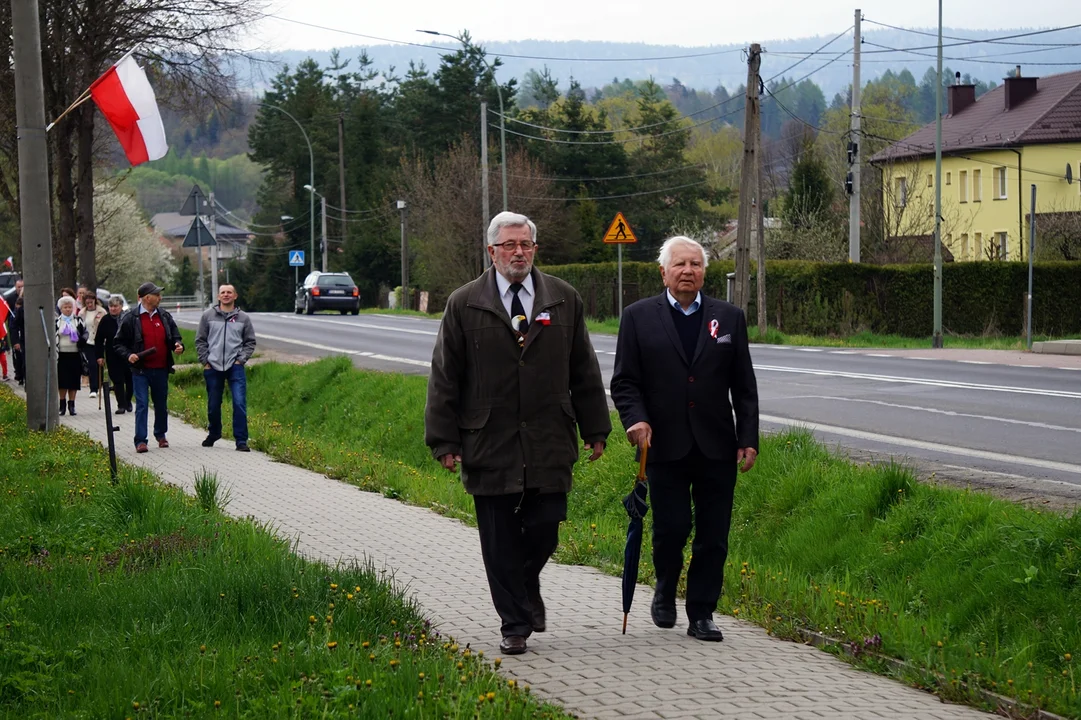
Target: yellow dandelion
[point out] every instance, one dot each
(332, 644)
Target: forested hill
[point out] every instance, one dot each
(725, 65)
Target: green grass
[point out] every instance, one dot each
(865, 554)
(132, 600)
(865, 339)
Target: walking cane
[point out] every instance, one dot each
(101, 379)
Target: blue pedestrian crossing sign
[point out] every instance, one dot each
(296, 258)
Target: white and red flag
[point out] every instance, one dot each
(124, 96)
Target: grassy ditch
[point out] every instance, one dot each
(973, 592)
(137, 600)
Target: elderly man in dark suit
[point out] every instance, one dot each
(679, 357)
(514, 380)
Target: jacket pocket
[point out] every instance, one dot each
(476, 443)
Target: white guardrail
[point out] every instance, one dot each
(180, 302)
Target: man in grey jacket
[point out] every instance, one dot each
(225, 342)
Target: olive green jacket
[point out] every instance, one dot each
(510, 411)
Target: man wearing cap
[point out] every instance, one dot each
(148, 336)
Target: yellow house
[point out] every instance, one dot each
(1025, 132)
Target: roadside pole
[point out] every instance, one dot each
(405, 260)
(936, 338)
(619, 233)
(1031, 252)
(35, 218)
(213, 249)
(854, 150)
(747, 181)
(485, 210)
(619, 282)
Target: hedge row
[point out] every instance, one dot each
(842, 298)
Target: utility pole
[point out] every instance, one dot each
(214, 247)
(323, 207)
(485, 210)
(761, 244)
(936, 338)
(341, 175)
(854, 150)
(35, 218)
(747, 181)
(405, 260)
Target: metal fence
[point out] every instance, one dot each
(180, 302)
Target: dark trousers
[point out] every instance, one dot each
(20, 365)
(90, 362)
(518, 533)
(151, 384)
(673, 487)
(120, 377)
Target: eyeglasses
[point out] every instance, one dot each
(510, 245)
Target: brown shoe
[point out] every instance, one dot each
(141, 448)
(163, 443)
(512, 645)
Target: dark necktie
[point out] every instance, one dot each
(516, 308)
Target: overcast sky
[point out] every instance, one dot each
(675, 22)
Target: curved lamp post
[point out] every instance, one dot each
(311, 180)
(502, 129)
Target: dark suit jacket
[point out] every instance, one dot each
(686, 400)
(509, 409)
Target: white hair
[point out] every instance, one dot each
(65, 300)
(665, 256)
(509, 219)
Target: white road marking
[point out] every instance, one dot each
(802, 349)
(343, 351)
(923, 445)
(975, 362)
(920, 381)
(844, 352)
(369, 326)
(938, 411)
(879, 355)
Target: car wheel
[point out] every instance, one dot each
(296, 308)
(308, 308)
(343, 312)
(356, 311)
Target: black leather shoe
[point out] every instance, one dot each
(210, 440)
(705, 630)
(512, 645)
(664, 613)
(538, 617)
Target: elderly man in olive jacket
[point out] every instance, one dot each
(514, 381)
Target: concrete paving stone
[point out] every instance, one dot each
(583, 661)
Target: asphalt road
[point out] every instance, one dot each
(994, 420)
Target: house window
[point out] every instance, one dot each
(962, 182)
(977, 246)
(930, 180)
(949, 178)
(999, 180)
(1002, 245)
(964, 247)
(901, 197)
(977, 189)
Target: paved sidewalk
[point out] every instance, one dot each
(582, 661)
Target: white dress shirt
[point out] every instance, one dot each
(525, 295)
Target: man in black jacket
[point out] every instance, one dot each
(678, 358)
(148, 337)
(118, 366)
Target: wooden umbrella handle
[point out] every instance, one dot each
(642, 463)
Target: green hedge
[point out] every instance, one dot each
(842, 298)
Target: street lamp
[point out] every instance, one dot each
(405, 260)
(311, 178)
(323, 208)
(502, 128)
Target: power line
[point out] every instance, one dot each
(618, 142)
(986, 59)
(987, 40)
(248, 223)
(503, 55)
(969, 40)
(811, 54)
(801, 120)
(610, 177)
(823, 66)
(928, 149)
(613, 197)
(609, 132)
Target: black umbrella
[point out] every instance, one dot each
(637, 507)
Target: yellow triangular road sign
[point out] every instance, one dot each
(619, 231)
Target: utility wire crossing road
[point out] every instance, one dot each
(1014, 420)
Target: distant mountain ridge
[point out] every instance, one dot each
(985, 61)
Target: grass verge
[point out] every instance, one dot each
(972, 591)
(133, 599)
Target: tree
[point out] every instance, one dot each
(539, 89)
(129, 253)
(186, 278)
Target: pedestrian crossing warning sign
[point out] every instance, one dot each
(296, 258)
(619, 231)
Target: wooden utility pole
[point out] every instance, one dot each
(35, 219)
(485, 210)
(747, 181)
(760, 245)
(854, 147)
(341, 174)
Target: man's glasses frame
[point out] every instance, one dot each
(510, 245)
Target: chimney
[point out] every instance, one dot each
(960, 96)
(1019, 89)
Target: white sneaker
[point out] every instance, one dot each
(93, 395)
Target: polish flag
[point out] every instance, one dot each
(124, 96)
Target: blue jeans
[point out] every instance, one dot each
(238, 388)
(155, 383)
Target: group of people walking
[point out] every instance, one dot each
(515, 381)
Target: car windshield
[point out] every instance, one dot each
(335, 281)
